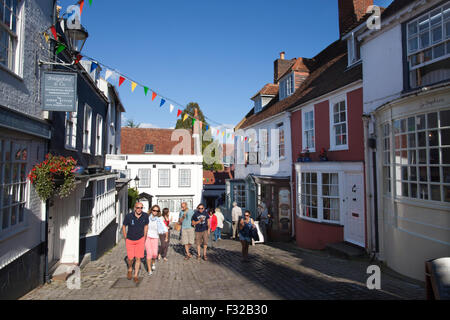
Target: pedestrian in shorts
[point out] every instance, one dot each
(187, 235)
(201, 222)
(137, 223)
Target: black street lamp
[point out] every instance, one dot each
(136, 181)
(76, 37)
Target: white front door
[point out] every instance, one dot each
(354, 230)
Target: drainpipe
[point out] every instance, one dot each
(367, 161)
(47, 202)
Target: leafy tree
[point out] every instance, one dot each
(131, 124)
(190, 110)
(133, 194)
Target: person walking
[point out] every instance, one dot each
(263, 220)
(220, 218)
(155, 228)
(236, 213)
(202, 224)
(245, 226)
(213, 227)
(135, 228)
(162, 237)
(187, 235)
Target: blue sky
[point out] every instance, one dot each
(215, 53)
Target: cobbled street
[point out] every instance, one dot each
(276, 271)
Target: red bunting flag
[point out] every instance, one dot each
(81, 2)
(179, 112)
(79, 56)
(153, 96)
(121, 80)
(52, 28)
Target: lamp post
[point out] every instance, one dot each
(76, 36)
(136, 181)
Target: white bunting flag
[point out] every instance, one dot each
(171, 108)
(108, 74)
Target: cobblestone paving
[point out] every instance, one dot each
(276, 271)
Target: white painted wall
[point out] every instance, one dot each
(279, 166)
(383, 69)
(146, 161)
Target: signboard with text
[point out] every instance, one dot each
(59, 91)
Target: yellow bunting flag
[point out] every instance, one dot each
(133, 86)
(46, 36)
(185, 117)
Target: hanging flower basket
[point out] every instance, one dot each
(53, 176)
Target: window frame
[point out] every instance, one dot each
(281, 140)
(99, 135)
(15, 40)
(159, 178)
(333, 125)
(87, 129)
(71, 117)
(21, 185)
(180, 177)
(420, 52)
(141, 173)
(414, 160)
(152, 148)
(240, 194)
(304, 138)
(320, 196)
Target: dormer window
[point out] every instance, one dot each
(258, 104)
(353, 49)
(148, 148)
(287, 86)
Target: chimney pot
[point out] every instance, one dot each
(282, 55)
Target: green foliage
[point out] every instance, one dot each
(131, 124)
(133, 195)
(44, 175)
(187, 124)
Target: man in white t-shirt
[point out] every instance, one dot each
(236, 213)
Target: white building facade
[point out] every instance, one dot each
(406, 77)
(165, 180)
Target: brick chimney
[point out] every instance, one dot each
(351, 11)
(280, 66)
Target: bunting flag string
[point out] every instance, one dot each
(111, 73)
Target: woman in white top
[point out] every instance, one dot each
(220, 218)
(155, 228)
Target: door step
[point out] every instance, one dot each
(63, 271)
(345, 250)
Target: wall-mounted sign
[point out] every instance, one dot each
(59, 91)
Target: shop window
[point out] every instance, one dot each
(421, 151)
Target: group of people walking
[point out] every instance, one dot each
(145, 232)
(149, 233)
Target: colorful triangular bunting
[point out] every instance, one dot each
(94, 66)
(179, 112)
(154, 96)
(185, 117)
(121, 80)
(162, 102)
(60, 48)
(145, 90)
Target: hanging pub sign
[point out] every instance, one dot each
(59, 91)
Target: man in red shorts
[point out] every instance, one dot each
(137, 223)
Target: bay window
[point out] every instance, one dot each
(421, 156)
